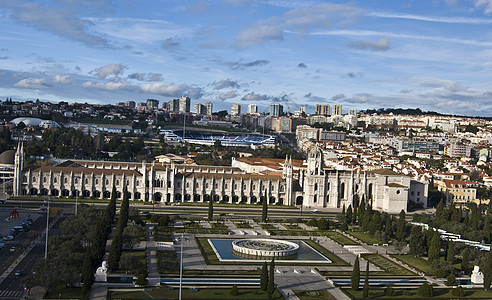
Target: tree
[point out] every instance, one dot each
(474, 175)
(131, 236)
(425, 290)
(375, 223)
(355, 278)
(487, 271)
(264, 212)
(349, 215)
(211, 210)
(401, 227)
(365, 290)
(440, 210)
(416, 241)
(451, 280)
(264, 277)
(435, 247)
(142, 279)
(450, 252)
(323, 224)
(271, 280)
(234, 291)
(486, 229)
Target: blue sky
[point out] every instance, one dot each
(433, 54)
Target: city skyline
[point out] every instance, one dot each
(435, 56)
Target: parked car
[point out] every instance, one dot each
(17, 272)
(12, 249)
(8, 237)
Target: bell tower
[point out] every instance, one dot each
(18, 167)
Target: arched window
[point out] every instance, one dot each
(107, 181)
(44, 179)
(86, 181)
(34, 179)
(24, 179)
(55, 180)
(76, 180)
(117, 182)
(225, 186)
(97, 181)
(65, 180)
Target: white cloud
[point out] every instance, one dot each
(172, 90)
(225, 84)
(382, 44)
(451, 20)
(107, 70)
(32, 83)
(258, 34)
(63, 79)
(486, 3)
(255, 97)
(111, 86)
(228, 95)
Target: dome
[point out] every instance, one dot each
(7, 157)
(27, 121)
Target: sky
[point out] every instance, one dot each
(435, 55)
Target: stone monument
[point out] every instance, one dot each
(102, 272)
(477, 276)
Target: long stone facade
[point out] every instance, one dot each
(248, 181)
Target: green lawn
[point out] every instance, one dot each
(293, 226)
(387, 265)
(314, 295)
(340, 238)
(167, 262)
(243, 225)
(407, 293)
(163, 234)
(63, 292)
(267, 226)
(416, 262)
(336, 261)
(199, 293)
(365, 237)
(138, 259)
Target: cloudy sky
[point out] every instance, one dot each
(433, 54)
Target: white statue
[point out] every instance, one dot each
(477, 276)
(101, 272)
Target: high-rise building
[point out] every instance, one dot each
(236, 109)
(276, 109)
(184, 104)
(173, 105)
(209, 106)
(200, 109)
(337, 109)
(152, 103)
(252, 109)
(323, 109)
(352, 112)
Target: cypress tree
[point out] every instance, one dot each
(435, 247)
(271, 280)
(356, 209)
(365, 291)
(388, 229)
(450, 252)
(264, 212)
(349, 215)
(87, 272)
(211, 209)
(355, 278)
(416, 241)
(487, 272)
(440, 210)
(366, 220)
(264, 277)
(401, 227)
(486, 229)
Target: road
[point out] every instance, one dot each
(11, 287)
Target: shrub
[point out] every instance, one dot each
(390, 291)
(451, 280)
(459, 291)
(234, 291)
(343, 226)
(441, 273)
(426, 290)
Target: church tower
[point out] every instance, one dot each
(287, 175)
(314, 187)
(18, 167)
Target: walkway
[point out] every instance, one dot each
(152, 262)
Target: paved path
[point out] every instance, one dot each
(289, 279)
(152, 267)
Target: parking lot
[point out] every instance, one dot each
(6, 223)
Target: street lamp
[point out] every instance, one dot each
(182, 239)
(47, 223)
(76, 201)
